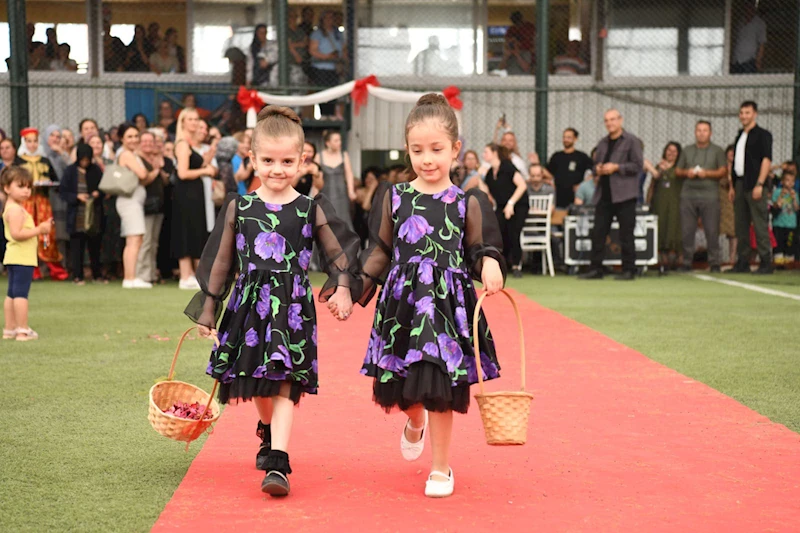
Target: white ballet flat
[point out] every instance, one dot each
(411, 451)
(439, 489)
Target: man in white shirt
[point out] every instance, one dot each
(750, 40)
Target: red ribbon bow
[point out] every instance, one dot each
(249, 99)
(360, 92)
(451, 94)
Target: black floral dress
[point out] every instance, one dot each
(268, 333)
(425, 251)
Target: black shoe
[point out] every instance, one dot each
(627, 275)
(683, 269)
(275, 484)
(662, 270)
(517, 273)
(265, 434)
(594, 273)
(765, 268)
(715, 269)
(740, 268)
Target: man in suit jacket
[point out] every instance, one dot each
(618, 162)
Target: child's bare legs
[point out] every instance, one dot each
(416, 415)
(21, 312)
(441, 427)
(282, 418)
(10, 315)
(264, 407)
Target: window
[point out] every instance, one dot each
(642, 52)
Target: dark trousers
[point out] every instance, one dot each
(745, 211)
(625, 213)
(748, 67)
(77, 243)
(326, 78)
(511, 229)
(787, 240)
(707, 210)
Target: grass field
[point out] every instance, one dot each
(78, 452)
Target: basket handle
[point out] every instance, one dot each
(178, 350)
(476, 318)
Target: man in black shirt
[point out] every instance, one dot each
(752, 160)
(567, 169)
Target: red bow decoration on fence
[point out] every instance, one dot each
(451, 94)
(360, 92)
(249, 99)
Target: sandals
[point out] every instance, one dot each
(435, 488)
(26, 335)
(9, 333)
(411, 451)
(275, 484)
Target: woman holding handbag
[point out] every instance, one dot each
(131, 208)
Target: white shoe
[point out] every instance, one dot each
(128, 284)
(142, 284)
(412, 450)
(435, 488)
(189, 284)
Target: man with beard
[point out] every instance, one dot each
(567, 169)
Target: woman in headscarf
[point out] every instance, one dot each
(54, 151)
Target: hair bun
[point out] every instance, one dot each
(279, 111)
(432, 99)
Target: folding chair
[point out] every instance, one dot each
(535, 236)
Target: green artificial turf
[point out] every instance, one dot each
(78, 453)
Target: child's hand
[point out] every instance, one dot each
(341, 304)
(491, 276)
(45, 227)
(205, 331)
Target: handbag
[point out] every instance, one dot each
(91, 222)
(218, 192)
(118, 181)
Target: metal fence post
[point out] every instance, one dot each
(18, 66)
(542, 58)
(282, 14)
(796, 128)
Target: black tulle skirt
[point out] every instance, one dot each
(425, 384)
(244, 389)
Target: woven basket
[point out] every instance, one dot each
(504, 414)
(166, 393)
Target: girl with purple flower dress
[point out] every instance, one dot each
(261, 245)
(429, 240)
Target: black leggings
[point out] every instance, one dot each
(77, 243)
(511, 229)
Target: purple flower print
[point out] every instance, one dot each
(210, 369)
(425, 306)
(270, 245)
(240, 241)
(413, 229)
(450, 351)
(461, 322)
(413, 356)
(426, 271)
(273, 207)
(431, 349)
(462, 209)
(228, 376)
(298, 290)
(397, 254)
(489, 368)
(223, 339)
(392, 363)
(314, 337)
(305, 258)
(395, 201)
(282, 355)
(263, 304)
(260, 371)
(375, 349)
(251, 267)
(307, 231)
(412, 299)
(459, 287)
(448, 195)
(251, 337)
(295, 320)
(448, 281)
(314, 366)
(268, 334)
(397, 291)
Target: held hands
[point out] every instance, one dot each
(341, 304)
(491, 276)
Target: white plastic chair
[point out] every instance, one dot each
(535, 236)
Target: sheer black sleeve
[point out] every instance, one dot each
(482, 237)
(338, 247)
(375, 260)
(217, 268)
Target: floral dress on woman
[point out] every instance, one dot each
(425, 251)
(268, 333)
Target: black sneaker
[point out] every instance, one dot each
(627, 275)
(517, 273)
(740, 268)
(275, 484)
(765, 268)
(265, 434)
(594, 273)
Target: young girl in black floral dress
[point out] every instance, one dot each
(262, 246)
(429, 240)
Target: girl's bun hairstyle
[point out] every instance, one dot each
(433, 106)
(278, 121)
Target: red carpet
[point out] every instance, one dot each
(616, 443)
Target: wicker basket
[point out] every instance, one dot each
(504, 414)
(166, 393)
